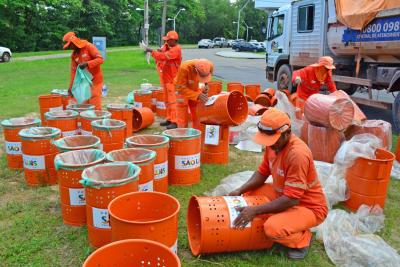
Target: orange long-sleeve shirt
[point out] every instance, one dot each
(310, 84)
(90, 54)
(187, 80)
(168, 61)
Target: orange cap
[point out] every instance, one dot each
(326, 61)
(171, 35)
(272, 124)
(204, 68)
(71, 37)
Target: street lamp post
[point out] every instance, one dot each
(238, 21)
(247, 30)
(174, 19)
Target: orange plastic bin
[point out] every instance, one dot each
(143, 98)
(77, 142)
(49, 103)
(161, 107)
(122, 112)
(253, 90)
(214, 88)
(235, 86)
(88, 116)
(111, 133)
(215, 144)
(65, 97)
(65, 120)
(142, 118)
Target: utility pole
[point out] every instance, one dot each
(164, 19)
(146, 22)
(238, 24)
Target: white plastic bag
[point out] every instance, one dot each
(285, 105)
(230, 183)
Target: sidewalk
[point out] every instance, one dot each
(233, 54)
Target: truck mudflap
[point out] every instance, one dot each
(395, 83)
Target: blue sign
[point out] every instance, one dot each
(100, 43)
(380, 29)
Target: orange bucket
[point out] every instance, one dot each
(210, 225)
(256, 110)
(161, 107)
(215, 144)
(111, 133)
(77, 142)
(80, 108)
(65, 97)
(143, 98)
(235, 86)
(65, 120)
(133, 252)
(69, 166)
(224, 109)
(253, 90)
(263, 100)
(142, 118)
(398, 150)
(102, 184)
(160, 145)
(214, 88)
(274, 101)
(38, 154)
(11, 128)
(368, 180)
(145, 215)
(380, 128)
(270, 92)
(323, 142)
(91, 115)
(144, 158)
(49, 103)
(154, 99)
(122, 112)
(184, 156)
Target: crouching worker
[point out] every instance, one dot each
(297, 202)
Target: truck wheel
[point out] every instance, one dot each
(351, 90)
(6, 57)
(396, 112)
(284, 78)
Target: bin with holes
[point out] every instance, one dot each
(263, 100)
(142, 118)
(78, 142)
(103, 183)
(214, 88)
(133, 252)
(111, 133)
(49, 103)
(210, 225)
(38, 153)
(80, 108)
(145, 215)
(161, 107)
(11, 128)
(183, 156)
(65, 120)
(88, 116)
(69, 166)
(160, 145)
(154, 92)
(142, 98)
(253, 90)
(65, 96)
(235, 86)
(144, 158)
(122, 112)
(215, 144)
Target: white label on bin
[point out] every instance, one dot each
(70, 133)
(154, 101)
(56, 108)
(13, 148)
(83, 132)
(174, 247)
(160, 105)
(101, 218)
(79, 123)
(187, 162)
(137, 104)
(34, 162)
(233, 203)
(160, 170)
(147, 187)
(212, 135)
(211, 100)
(77, 197)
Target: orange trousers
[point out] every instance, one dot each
(291, 227)
(300, 103)
(182, 112)
(96, 96)
(170, 101)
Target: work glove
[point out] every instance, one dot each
(143, 46)
(83, 65)
(203, 97)
(297, 80)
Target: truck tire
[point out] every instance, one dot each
(6, 57)
(284, 78)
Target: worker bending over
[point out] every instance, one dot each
(85, 56)
(297, 202)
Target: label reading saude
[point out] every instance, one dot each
(13, 148)
(138, 105)
(34, 162)
(233, 203)
(77, 197)
(187, 162)
(146, 187)
(101, 218)
(160, 170)
(160, 105)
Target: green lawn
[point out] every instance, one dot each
(31, 229)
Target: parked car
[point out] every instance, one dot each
(5, 54)
(205, 43)
(220, 41)
(236, 42)
(229, 42)
(253, 41)
(245, 46)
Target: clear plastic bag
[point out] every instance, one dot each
(40, 133)
(285, 105)
(134, 155)
(230, 183)
(20, 122)
(77, 142)
(381, 129)
(79, 159)
(81, 86)
(182, 133)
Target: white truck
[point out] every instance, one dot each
(300, 32)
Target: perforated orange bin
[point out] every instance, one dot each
(215, 144)
(142, 118)
(160, 145)
(69, 166)
(368, 180)
(263, 100)
(154, 92)
(122, 112)
(184, 156)
(256, 110)
(38, 154)
(145, 215)
(144, 158)
(253, 90)
(88, 116)
(66, 98)
(65, 120)
(77, 142)
(214, 88)
(103, 183)
(270, 92)
(235, 86)
(210, 225)
(161, 107)
(142, 98)
(80, 108)
(11, 128)
(132, 253)
(224, 109)
(49, 103)
(111, 133)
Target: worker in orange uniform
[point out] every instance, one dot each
(168, 59)
(297, 202)
(310, 79)
(191, 85)
(86, 56)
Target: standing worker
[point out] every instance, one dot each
(168, 60)
(191, 84)
(86, 56)
(296, 200)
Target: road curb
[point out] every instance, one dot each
(245, 55)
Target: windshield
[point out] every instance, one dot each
(276, 27)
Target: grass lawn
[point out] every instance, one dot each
(31, 229)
